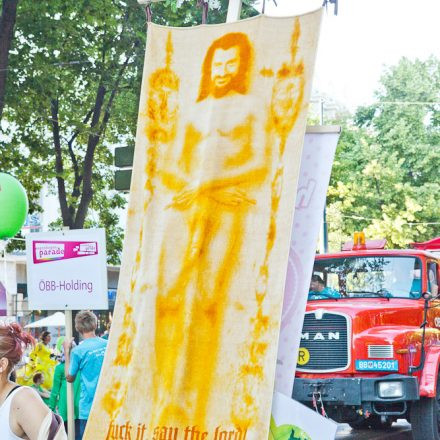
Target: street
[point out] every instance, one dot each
(401, 430)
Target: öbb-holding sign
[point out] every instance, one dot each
(67, 270)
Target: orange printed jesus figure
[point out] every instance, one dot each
(217, 157)
(220, 163)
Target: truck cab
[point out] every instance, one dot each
(370, 344)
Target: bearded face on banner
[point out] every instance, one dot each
(226, 67)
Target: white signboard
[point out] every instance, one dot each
(291, 420)
(66, 270)
(316, 164)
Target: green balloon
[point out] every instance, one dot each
(13, 206)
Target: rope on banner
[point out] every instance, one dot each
(148, 13)
(205, 8)
(264, 5)
(204, 4)
(334, 2)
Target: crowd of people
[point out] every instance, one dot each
(33, 394)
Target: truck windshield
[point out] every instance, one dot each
(376, 276)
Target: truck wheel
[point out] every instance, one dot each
(425, 417)
(373, 422)
(360, 424)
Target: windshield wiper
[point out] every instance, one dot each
(383, 293)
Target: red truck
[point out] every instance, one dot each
(370, 344)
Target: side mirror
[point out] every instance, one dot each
(427, 296)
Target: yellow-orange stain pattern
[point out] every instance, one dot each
(286, 105)
(209, 178)
(192, 138)
(124, 350)
(268, 73)
(112, 400)
(190, 309)
(137, 263)
(288, 93)
(241, 134)
(161, 113)
(162, 109)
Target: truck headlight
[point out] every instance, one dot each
(390, 389)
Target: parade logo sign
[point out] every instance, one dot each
(47, 251)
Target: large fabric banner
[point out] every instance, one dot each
(192, 350)
(316, 164)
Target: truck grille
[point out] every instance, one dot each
(324, 342)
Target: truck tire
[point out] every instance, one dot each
(373, 422)
(359, 425)
(425, 417)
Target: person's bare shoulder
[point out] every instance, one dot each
(28, 412)
(23, 394)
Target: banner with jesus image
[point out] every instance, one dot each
(193, 344)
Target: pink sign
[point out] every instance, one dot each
(47, 251)
(316, 163)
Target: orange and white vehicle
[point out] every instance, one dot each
(371, 353)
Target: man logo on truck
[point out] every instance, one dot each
(321, 336)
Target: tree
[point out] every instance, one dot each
(72, 95)
(384, 177)
(7, 23)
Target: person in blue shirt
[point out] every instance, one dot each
(318, 290)
(416, 283)
(432, 280)
(87, 359)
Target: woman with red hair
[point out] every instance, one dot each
(23, 415)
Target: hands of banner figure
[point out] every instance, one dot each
(185, 198)
(231, 196)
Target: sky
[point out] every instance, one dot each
(365, 36)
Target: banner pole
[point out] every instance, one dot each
(234, 11)
(70, 397)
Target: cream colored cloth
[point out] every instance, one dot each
(45, 429)
(192, 350)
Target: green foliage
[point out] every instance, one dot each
(66, 53)
(385, 176)
(73, 87)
